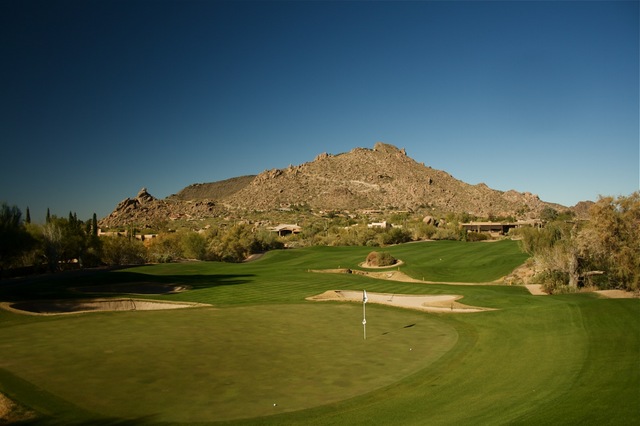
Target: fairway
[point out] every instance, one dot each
(527, 360)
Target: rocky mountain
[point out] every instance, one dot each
(384, 177)
(213, 190)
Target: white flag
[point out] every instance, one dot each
(364, 296)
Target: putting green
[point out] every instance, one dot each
(219, 364)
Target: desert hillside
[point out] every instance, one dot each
(384, 177)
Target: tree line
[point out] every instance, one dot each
(602, 252)
(58, 244)
(67, 242)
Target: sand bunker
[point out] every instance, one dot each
(365, 264)
(431, 303)
(58, 307)
(536, 290)
(617, 294)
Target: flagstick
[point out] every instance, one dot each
(364, 320)
(364, 313)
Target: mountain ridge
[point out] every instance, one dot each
(383, 177)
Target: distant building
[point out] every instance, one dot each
(383, 225)
(499, 228)
(286, 229)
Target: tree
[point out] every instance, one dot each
(234, 245)
(14, 238)
(548, 214)
(194, 245)
(123, 251)
(604, 252)
(74, 239)
(28, 217)
(611, 240)
(94, 225)
(52, 243)
(69, 240)
(553, 249)
(393, 236)
(238, 242)
(165, 248)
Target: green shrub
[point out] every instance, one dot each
(123, 251)
(446, 234)
(476, 236)
(194, 245)
(165, 248)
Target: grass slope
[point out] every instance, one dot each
(561, 359)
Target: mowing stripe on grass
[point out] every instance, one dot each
(535, 360)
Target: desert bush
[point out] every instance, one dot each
(551, 279)
(165, 248)
(194, 245)
(123, 251)
(265, 240)
(238, 242)
(476, 236)
(446, 233)
(611, 241)
(380, 258)
(424, 231)
(231, 245)
(394, 236)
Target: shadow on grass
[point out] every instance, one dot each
(52, 421)
(199, 281)
(113, 283)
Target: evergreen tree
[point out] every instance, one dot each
(48, 219)
(28, 218)
(94, 225)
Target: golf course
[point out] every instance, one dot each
(254, 343)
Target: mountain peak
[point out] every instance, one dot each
(384, 177)
(388, 148)
(144, 196)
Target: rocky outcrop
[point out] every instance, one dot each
(146, 210)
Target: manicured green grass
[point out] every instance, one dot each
(570, 359)
(453, 261)
(206, 364)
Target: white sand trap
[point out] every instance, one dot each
(431, 303)
(59, 307)
(617, 294)
(536, 290)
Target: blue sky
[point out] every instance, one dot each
(101, 98)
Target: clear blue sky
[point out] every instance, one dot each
(101, 98)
